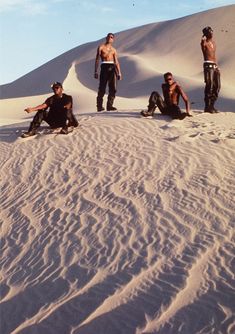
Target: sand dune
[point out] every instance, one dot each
(126, 225)
(145, 54)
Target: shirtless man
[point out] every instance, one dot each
(211, 70)
(170, 105)
(110, 72)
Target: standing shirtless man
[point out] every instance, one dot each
(110, 72)
(211, 70)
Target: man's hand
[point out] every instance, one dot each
(28, 110)
(119, 77)
(96, 76)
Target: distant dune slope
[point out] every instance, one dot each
(145, 53)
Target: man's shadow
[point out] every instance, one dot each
(11, 133)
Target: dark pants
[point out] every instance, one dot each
(107, 76)
(212, 84)
(155, 100)
(67, 119)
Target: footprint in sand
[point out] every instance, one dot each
(222, 136)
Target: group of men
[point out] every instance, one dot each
(60, 105)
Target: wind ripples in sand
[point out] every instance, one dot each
(119, 227)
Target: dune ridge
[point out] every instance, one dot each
(145, 53)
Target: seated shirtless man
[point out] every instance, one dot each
(110, 71)
(169, 106)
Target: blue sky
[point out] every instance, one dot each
(33, 32)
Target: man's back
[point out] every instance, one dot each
(208, 45)
(208, 49)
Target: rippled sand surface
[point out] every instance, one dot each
(126, 225)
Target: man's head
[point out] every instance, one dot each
(207, 31)
(110, 37)
(168, 77)
(57, 88)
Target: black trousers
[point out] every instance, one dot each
(212, 84)
(155, 100)
(66, 118)
(107, 76)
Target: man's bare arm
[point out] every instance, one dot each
(97, 62)
(116, 62)
(203, 43)
(40, 107)
(186, 100)
(68, 105)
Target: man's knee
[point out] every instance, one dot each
(154, 96)
(112, 89)
(155, 93)
(40, 115)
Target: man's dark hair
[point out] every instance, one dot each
(110, 34)
(206, 30)
(56, 84)
(167, 74)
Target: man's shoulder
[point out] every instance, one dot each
(178, 86)
(67, 96)
(208, 42)
(50, 98)
(203, 40)
(101, 46)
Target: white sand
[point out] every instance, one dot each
(125, 225)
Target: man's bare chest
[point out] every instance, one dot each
(107, 51)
